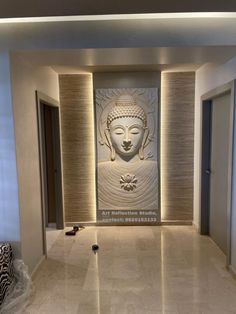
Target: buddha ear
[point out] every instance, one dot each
(113, 153)
(141, 149)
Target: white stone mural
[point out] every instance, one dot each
(127, 155)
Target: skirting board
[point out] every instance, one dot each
(102, 224)
(232, 271)
(176, 223)
(162, 223)
(33, 273)
(196, 227)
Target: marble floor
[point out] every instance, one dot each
(51, 236)
(138, 270)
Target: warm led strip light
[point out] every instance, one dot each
(92, 159)
(163, 148)
(110, 17)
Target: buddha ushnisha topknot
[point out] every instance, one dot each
(126, 107)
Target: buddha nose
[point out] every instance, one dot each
(127, 142)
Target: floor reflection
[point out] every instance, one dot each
(161, 270)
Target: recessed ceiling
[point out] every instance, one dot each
(131, 44)
(125, 33)
(127, 59)
(126, 68)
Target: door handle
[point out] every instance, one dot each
(208, 171)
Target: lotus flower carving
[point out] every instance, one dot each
(128, 182)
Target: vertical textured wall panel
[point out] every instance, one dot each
(177, 145)
(78, 151)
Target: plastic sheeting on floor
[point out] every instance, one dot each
(18, 295)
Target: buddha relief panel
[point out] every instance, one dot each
(127, 156)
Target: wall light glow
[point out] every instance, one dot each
(92, 152)
(177, 145)
(163, 149)
(78, 147)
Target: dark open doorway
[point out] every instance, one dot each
(50, 163)
(216, 169)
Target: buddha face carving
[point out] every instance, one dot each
(126, 129)
(126, 135)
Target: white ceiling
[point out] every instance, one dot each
(135, 33)
(125, 68)
(140, 44)
(128, 59)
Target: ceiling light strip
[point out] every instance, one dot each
(110, 17)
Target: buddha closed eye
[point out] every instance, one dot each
(135, 130)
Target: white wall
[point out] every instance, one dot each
(209, 77)
(26, 79)
(9, 210)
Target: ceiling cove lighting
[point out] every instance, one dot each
(110, 17)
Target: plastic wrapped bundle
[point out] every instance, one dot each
(6, 270)
(18, 296)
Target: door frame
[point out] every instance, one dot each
(43, 99)
(206, 107)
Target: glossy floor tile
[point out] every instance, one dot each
(137, 270)
(51, 236)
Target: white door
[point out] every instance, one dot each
(220, 138)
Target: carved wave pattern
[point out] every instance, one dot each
(111, 194)
(6, 269)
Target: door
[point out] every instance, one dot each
(219, 167)
(50, 163)
(50, 167)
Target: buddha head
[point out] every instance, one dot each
(127, 130)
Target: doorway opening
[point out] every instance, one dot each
(218, 107)
(50, 168)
